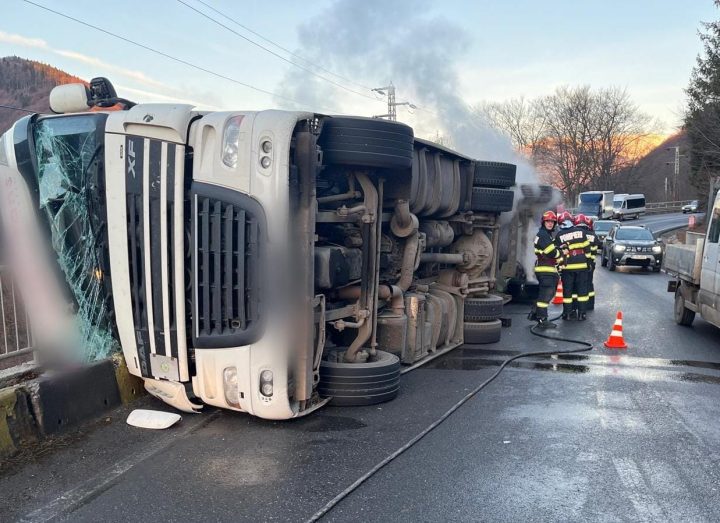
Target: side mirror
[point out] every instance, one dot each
(69, 98)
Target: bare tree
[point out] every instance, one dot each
(578, 138)
(522, 121)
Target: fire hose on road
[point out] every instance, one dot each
(586, 346)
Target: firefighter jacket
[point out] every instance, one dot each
(595, 244)
(575, 246)
(548, 255)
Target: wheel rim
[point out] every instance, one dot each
(679, 306)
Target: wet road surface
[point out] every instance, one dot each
(602, 436)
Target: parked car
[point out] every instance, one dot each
(603, 227)
(690, 207)
(632, 245)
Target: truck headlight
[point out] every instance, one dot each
(619, 248)
(267, 389)
(266, 383)
(657, 249)
(230, 386)
(231, 141)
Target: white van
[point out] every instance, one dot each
(628, 206)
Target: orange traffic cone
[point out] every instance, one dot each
(616, 341)
(558, 299)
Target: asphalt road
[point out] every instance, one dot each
(602, 436)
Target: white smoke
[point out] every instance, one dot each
(375, 42)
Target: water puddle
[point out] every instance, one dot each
(619, 358)
(599, 365)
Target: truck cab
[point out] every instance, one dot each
(696, 267)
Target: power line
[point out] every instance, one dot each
(179, 60)
(17, 108)
(349, 80)
(306, 69)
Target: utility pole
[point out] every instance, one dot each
(389, 91)
(676, 171)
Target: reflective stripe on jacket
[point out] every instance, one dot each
(548, 255)
(575, 243)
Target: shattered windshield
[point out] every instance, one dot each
(69, 152)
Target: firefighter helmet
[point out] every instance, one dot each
(565, 216)
(589, 222)
(549, 216)
(580, 219)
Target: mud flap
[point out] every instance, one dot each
(172, 393)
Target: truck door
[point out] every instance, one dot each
(709, 275)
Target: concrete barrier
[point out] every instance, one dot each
(52, 403)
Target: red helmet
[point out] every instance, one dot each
(580, 219)
(549, 216)
(589, 222)
(565, 216)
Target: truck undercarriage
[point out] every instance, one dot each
(267, 262)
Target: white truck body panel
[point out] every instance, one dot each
(685, 261)
(597, 204)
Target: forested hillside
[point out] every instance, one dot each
(27, 84)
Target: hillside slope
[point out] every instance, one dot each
(27, 84)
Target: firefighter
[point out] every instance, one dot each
(586, 223)
(548, 258)
(575, 246)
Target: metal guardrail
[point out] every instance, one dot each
(15, 334)
(656, 207)
(660, 207)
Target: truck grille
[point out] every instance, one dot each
(226, 258)
(150, 208)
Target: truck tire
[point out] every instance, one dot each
(366, 142)
(354, 384)
(484, 332)
(491, 200)
(488, 308)
(683, 315)
(494, 174)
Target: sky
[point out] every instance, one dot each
(443, 57)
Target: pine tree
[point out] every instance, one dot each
(702, 118)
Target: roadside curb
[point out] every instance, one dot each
(52, 403)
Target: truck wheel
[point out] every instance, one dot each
(366, 142)
(352, 384)
(488, 308)
(494, 174)
(491, 200)
(683, 315)
(484, 332)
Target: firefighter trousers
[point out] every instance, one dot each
(575, 283)
(591, 289)
(547, 283)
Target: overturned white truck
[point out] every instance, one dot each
(265, 262)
